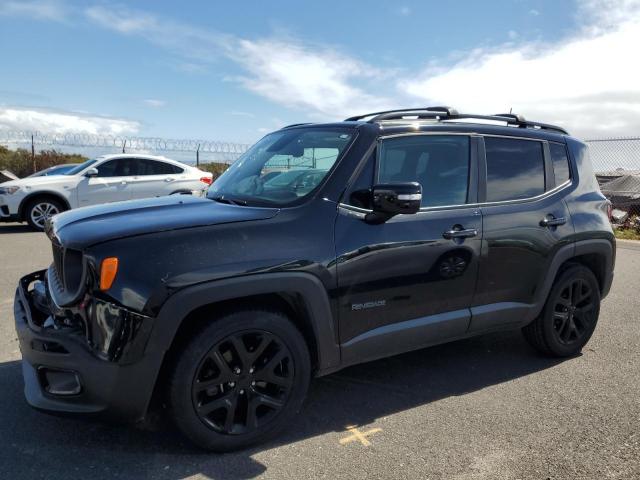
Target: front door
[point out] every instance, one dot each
(409, 282)
(112, 184)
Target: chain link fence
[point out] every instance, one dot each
(616, 162)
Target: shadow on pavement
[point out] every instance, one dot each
(36, 445)
(14, 228)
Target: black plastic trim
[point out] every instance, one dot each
(311, 290)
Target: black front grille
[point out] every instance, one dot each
(66, 276)
(58, 262)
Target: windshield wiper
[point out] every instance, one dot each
(229, 201)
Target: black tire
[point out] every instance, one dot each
(39, 209)
(569, 316)
(205, 376)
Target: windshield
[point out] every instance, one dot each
(80, 167)
(281, 168)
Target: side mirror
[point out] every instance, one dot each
(92, 172)
(391, 199)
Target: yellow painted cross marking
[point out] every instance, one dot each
(358, 435)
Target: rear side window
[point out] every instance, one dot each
(515, 168)
(439, 163)
(560, 162)
(153, 167)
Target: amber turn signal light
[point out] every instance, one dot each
(108, 272)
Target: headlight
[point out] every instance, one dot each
(8, 190)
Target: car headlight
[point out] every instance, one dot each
(8, 190)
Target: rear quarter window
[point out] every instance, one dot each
(515, 168)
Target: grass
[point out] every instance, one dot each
(626, 234)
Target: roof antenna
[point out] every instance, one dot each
(510, 110)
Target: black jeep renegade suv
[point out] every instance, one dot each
(321, 247)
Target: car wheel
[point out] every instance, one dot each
(239, 380)
(569, 316)
(39, 210)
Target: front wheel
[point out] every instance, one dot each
(239, 380)
(39, 210)
(570, 315)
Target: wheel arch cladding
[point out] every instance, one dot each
(301, 295)
(597, 255)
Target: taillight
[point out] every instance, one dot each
(206, 180)
(108, 271)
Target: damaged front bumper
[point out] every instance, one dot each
(88, 359)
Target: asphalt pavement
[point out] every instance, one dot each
(488, 407)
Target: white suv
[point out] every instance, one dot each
(110, 178)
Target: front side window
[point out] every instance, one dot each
(439, 163)
(283, 167)
(560, 162)
(121, 167)
(515, 168)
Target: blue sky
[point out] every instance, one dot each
(235, 70)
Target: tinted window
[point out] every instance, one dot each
(153, 167)
(560, 162)
(121, 167)
(515, 168)
(440, 163)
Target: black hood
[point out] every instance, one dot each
(87, 226)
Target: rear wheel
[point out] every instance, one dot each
(570, 315)
(239, 380)
(39, 210)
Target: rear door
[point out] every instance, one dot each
(407, 283)
(155, 178)
(525, 222)
(112, 184)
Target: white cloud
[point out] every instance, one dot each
(181, 39)
(588, 83)
(306, 77)
(533, 12)
(285, 71)
(36, 9)
(154, 102)
(512, 34)
(58, 121)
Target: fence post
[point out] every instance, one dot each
(33, 154)
(198, 156)
(124, 144)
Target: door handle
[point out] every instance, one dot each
(552, 221)
(169, 179)
(460, 233)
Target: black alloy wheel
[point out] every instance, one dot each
(573, 314)
(243, 382)
(239, 379)
(569, 316)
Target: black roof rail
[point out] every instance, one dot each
(449, 113)
(405, 112)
